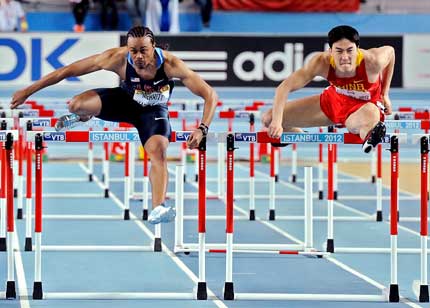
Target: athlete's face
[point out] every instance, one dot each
(141, 50)
(344, 53)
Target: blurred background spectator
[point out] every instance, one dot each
(137, 11)
(80, 9)
(10, 13)
(205, 11)
(109, 14)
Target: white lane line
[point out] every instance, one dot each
(165, 249)
(20, 274)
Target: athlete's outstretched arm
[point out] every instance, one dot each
(176, 68)
(87, 65)
(386, 59)
(297, 80)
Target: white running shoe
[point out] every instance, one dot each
(67, 121)
(162, 213)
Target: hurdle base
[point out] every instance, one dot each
(373, 179)
(251, 214)
(126, 214)
(330, 245)
(424, 294)
(293, 178)
(15, 193)
(157, 244)
(19, 214)
(10, 290)
(106, 193)
(185, 178)
(272, 215)
(37, 290)
(196, 178)
(276, 178)
(320, 195)
(379, 216)
(90, 177)
(145, 214)
(3, 244)
(394, 293)
(28, 244)
(202, 293)
(335, 195)
(228, 291)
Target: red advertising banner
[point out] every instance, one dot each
(288, 5)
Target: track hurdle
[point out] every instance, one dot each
(38, 293)
(92, 136)
(229, 293)
(301, 248)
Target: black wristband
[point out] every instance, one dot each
(203, 127)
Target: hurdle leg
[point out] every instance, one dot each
(228, 286)
(145, 199)
(320, 170)
(373, 162)
(19, 183)
(179, 205)
(132, 162)
(3, 224)
(272, 189)
(127, 182)
(394, 287)
(90, 161)
(3, 244)
(308, 208)
(105, 176)
(28, 204)
(335, 173)
(294, 163)
(424, 288)
(201, 285)
(220, 164)
(37, 285)
(251, 171)
(379, 184)
(196, 166)
(330, 196)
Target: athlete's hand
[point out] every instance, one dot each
(195, 138)
(18, 98)
(387, 104)
(275, 130)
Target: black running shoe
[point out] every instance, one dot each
(374, 137)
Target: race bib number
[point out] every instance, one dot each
(152, 98)
(361, 95)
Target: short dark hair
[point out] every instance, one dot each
(341, 32)
(140, 31)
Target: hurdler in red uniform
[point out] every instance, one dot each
(358, 95)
